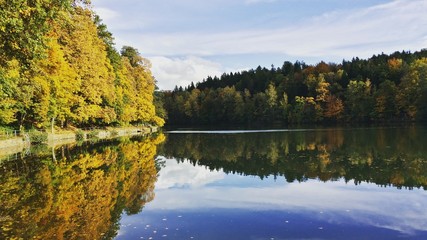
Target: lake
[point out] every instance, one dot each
(331, 183)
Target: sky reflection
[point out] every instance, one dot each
(194, 198)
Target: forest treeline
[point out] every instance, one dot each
(382, 88)
(59, 66)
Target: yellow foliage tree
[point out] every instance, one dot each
(86, 53)
(8, 87)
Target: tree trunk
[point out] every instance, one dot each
(53, 125)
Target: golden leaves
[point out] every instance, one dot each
(74, 81)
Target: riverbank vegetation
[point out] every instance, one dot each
(382, 88)
(59, 67)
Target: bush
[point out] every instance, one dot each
(93, 134)
(80, 135)
(114, 133)
(37, 136)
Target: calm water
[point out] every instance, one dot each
(365, 183)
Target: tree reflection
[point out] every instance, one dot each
(385, 156)
(77, 193)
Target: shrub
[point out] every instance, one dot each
(37, 136)
(80, 135)
(114, 133)
(93, 134)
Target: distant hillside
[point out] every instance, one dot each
(381, 88)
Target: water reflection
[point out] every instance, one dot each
(332, 206)
(385, 156)
(232, 206)
(265, 185)
(228, 185)
(76, 192)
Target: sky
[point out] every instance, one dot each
(189, 40)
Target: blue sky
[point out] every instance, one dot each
(188, 40)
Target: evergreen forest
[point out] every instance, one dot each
(59, 67)
(383, 88)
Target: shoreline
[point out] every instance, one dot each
(19, 144)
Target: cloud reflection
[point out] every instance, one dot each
(185, 175)
(334, 202)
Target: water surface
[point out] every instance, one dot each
(363, 183)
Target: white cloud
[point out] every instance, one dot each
(179, 54)
(107, 14)
(389, 27)
(185, 175)
(171, 72)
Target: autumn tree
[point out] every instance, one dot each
(381, 88)
(334, 108)
(138, 88)
(8, 87)
(271, 95)
(23, 28)
(412, 89)
(231, 104)
(386, 106)
(59, 66)
(86, 54)
(359, 99)
(284, 107)
(192, 104)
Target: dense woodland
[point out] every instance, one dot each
(379, 89)
(58, 66)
